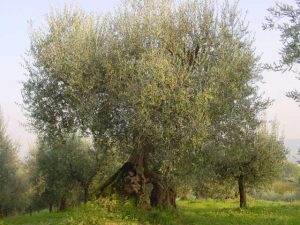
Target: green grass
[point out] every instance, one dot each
(98, 213)
(208, 212)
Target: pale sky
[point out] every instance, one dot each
(14, 17)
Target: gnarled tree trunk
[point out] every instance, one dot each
(135, 180)
(163, 196)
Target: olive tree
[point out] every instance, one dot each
(142, 80)
(250, 158)
(10, 182)
(58, 168)
(54, 180)
(83, 163)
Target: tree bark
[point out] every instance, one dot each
(163, 197)
(242, 192)
(135, 180)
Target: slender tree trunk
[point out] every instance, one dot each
(242, 192)
(86, 194)
(63, 203)
(134, 179)
(50, 207)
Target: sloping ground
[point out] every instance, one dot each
(208, 212)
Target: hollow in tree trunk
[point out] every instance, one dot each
(242, 192)
(135, 180)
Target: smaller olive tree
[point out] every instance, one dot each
(84, 162)
(252, 159)
(55, 182)
(60, 167)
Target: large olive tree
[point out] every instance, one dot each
(142, 80)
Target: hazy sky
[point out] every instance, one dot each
(14, 17)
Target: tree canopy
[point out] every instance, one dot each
(157, 81)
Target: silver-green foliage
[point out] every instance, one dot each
(257, 156)
(64, 168)
(153, 73)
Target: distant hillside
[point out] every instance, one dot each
(293, 146)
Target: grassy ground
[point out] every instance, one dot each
(227, 213)
(208, 212)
